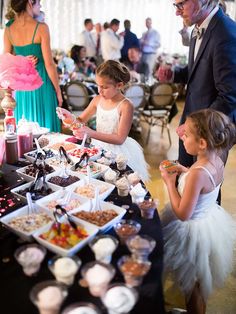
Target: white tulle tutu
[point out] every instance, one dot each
(107, 121)
(133, 151)
(201, 248)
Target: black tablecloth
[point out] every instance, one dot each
(15, 286)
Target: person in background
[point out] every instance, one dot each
(114, 116)
(87, 39)
(138, 69)
(130, 40)
(83, 65)
(99, 31)
(199, 235)
(111, 42)
(211, 72)
(149, 44)
(25, 36)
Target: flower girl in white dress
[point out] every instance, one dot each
(198, 233)
(114, 116)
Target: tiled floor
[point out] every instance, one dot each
(223, 301)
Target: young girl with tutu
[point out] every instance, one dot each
(114, 115)
(198, 233)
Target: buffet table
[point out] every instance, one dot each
(15, 286)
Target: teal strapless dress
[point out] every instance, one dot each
(38, 105)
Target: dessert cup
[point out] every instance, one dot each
(147, 208)
(126, 228)
(64, 268)
(81, 308)
(140, 246)
(119, 298)
(111, 176)
(133, 270)
(97, 275)
(48, 296)
(103, 246)
(30, 256)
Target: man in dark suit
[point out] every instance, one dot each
(138, 68)
(211, 72)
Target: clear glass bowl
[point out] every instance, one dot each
(133, 270)
(97, 275)
(119, 298)
(48, 296)
(64, 268)
(81, 308)
(30, 256)
(126, 228)
(141, 246)
(103, 250)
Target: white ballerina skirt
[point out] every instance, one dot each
(199, 249)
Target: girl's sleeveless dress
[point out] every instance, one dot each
(38, 105)
(107, 121)
(199, 249)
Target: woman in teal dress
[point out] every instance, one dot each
(27, 37)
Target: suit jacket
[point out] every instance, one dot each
(211, 78)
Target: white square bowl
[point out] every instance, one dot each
(90, 229)
(57, 196)
(108, 187)
(58, 172)
(22, 174)
(104, 206)
(97, 170)
(23, 211)
(75, 154)
(31, 158)
(16, 190)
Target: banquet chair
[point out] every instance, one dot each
(136, 93)
(161, 102)
(77, 96)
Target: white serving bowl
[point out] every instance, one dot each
(27, 236)
(16, 190)
(90, 229)
(108, 187)
(97, 170)
(104, 206)
(58, 172)
(59, 195)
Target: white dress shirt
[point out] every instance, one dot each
(150, 41)
(204, 25)
(88, 40)
(111, 44)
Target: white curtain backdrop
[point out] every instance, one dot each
(65, 19)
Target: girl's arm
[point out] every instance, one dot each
(126, 118)
(184, 206)
(48, 60)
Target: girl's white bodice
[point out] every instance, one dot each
(207, 201)
(107, 120)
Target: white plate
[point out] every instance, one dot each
(28, 178)
(27, 236)
(90, 229)
(58, 172)
(98, 171)
(108, 186)
(104, 206)
(57, 196)
(16, 190)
